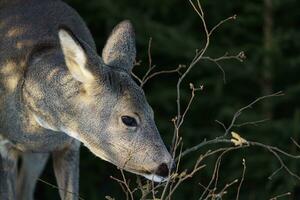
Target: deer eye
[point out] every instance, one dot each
(129, 121)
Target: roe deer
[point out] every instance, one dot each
(56, 93)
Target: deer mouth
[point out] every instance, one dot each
(151, 176)
(155, 178)
(161, 174)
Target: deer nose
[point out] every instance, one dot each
(162, 170)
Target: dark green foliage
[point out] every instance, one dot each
(177, 32)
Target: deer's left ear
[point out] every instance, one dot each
(119, 50)
(75, 57)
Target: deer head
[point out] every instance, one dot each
(102, 106)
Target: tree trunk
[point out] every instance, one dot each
(267, 60)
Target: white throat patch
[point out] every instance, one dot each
(71, 133)
(3, 148)
(67, 131)
(43, 123)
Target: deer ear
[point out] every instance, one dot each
(75, 56)
(119, 50)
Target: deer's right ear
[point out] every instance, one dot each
(119, 50)
(75, 57)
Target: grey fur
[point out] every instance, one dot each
(119, 50)
(31, 169)
(56, 91)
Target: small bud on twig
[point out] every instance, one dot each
(237, 140)
(241, 56)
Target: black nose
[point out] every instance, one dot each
(162, 170)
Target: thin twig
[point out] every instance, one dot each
(275, 172)
(62, 189)
(281, 195)
(148, 77)
(204, 143)
(242, 179)
(216, 168)
(220, 23)
(240, 57)
(296, 143)
(239, 112)
(227, 186)
(255, 123)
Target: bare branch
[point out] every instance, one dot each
(62, 189)
(124, 184)
(149, 73)
(242, 179)
(223, 191)
(148, 77)
(296, 143)
(240, 57)
(239, 112)
(281, 195)
(221, 22)
(255, 123)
